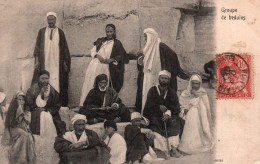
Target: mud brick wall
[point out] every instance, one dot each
(187, 26)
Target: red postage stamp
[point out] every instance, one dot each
(233, 76)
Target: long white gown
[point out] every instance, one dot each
(118, 148)
(197, 136)
(96, 68)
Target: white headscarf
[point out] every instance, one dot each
(165, 72)
(78, 117)
(152, 62)
(51, 13)
(200, 91)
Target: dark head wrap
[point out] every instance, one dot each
(44, 72)
(10, 121)
(100, 78)
(110, 123)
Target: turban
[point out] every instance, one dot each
(20, 93)
(2, 97)
(51, 13)
(78, 117)
(135, 115)
(44, 72)
(164, 72)
(151, 31)
(110, 123)
(100, 78)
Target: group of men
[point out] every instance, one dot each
(156, 102)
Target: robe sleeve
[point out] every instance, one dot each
(130, 132)
(174, 106)
(152, 106)
(93, 139)
(170, 61)
(65, 51)
(89, 103)
(121, 56)
(31, 99)
(54, 107)
(61, 145)
(37, 46)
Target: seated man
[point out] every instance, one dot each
(115, 142)
(102, 103)
(81, 145)
(162, 109)
(44, 103)
(138, 141)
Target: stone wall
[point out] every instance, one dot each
(178, 22)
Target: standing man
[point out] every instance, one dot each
(156, 56)
(52, 54)
(108, 57)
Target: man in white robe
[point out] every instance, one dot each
(115, 142)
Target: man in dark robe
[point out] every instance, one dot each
(162, 109)
(40, 97)
(102, 102)
(52, 54)
(81, 145)
(139, 141)
(168, 61)
(118, 57)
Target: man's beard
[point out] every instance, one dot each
(163, 84)
(44, 84)
(102, 89)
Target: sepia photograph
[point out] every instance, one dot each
(129, 81)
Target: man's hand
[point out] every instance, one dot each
(101, 59)
(115, 106)
(117, 119)
(44, 89)
(166, 117)
(149, 133)
(163, 108)
(77, 145)
(107, 108)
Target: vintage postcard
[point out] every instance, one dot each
(130, 81)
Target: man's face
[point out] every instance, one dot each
(195, 85)
(145, 38)
(102, 85)
(109, 130)
(110, 32)
(164, 80)
(44, 80)
(79, 127)
(136, 122)
(20, 100)
(51, 21)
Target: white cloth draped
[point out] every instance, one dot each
(118, 148)
(96, 68)
(196, 135)
(51, 52)
(152, 63)
(71, 136)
